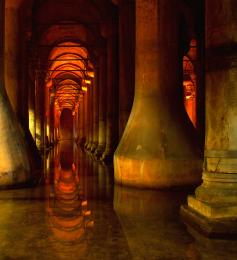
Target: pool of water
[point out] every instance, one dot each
(76, 212)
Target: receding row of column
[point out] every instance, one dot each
(111, 94)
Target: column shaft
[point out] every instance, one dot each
(213, 208)
(150, 153)
(112, 95)
(102, 105)
(126, 61)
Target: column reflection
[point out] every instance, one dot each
(68, 212)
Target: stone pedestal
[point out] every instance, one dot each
(158, 148)
(213, 208)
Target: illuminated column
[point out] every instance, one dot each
(213, 208)
(95, 111)
(47, 116)
(39, 116)
(81, 119)
(31, 106)
(86, 109)
(157, 149)
(102, 105)
(75, 124)
(112, 94)
(90, 116)
(51, 122)
(11, 52)
(126, 60)
(14, 163)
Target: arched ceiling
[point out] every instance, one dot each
(68, 67)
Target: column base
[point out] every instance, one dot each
(14, 179)
(107, 157)
(156, 173)
(99, 151)
(82, 142)
(225, 228)
(93, 147)
(88, 146)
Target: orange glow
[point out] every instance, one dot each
(190, 100)
(87, 81)
(189, 82)
(69, 73)
(91, 74)
(84, 88)
(67, 211)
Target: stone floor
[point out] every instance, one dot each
(76, 212)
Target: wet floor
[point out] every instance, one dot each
(76, 212)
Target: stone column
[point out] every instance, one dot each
(90, 116)
(158, 147)
(81, 119)
(95, 111)
(14, 162)
(39, 109)
(102, 105)
(11, 52)
(213, 208)
(112, 93)
(126, 60)
(85, 113)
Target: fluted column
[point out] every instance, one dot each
(112, 93)
(126, 61)
(102, 105)
(213, 208)
(158, 147)
(14, 163)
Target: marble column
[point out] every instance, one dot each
(112, 93)
(85, 113)
(39, 109)
(91, 112)
(14, 162)
(158, 148)
(95, 111)
(126, 61)
(11, 52)
(81, 119)
(102, 105)
(88, 118)
(213, 207)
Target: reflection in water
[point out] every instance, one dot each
(67, 210)
(126, 223)
(149, 221)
